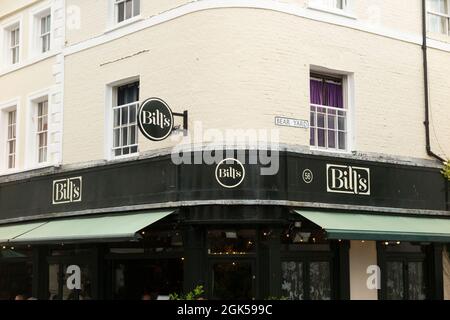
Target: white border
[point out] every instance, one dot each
(237, 184)
(4, 39)
(6, 107)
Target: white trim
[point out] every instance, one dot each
(5, 39)
(346, 12)
(31, 161)
(13, 104)
(29, 62)
(201, 5)
(35, 16)
(110, 92)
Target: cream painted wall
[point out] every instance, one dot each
(8, 7)
(362, 255)
(234, 75)
(403, 16)
(439, 71)
(33, 74)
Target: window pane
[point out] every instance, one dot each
(395, 289)
(312, 141)
(120, 12)
(133, 116)
(439, 6)
(341, 124)
(137, 7)
(128, 9)
(124, 115)
(320, 281)
(332, 139)
(124, 137)
(132, 134)
(292, 280)
(321, 138)
(342, 140)
(416, 281)
(116, 117)
(116, 138)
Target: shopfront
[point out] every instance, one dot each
(153, 228)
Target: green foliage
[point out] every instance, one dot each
(446, 170)
(195, 294)
(277, 298)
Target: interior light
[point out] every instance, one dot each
(231, 235)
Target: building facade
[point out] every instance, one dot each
(333, 115)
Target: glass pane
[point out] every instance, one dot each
(232, 280)
(292, 285)
(124, 116)
(312, 141)
(132, 279)
(124, 137)
(331, 139)
(395, 289)
(313, 119)
(137, 7)
(321, 120)
(342, 140)
(341, 124)
(132, 134)
(229, 242)
(120, 12)
(134, 149)
(439, 6)
(128, 9)
(116, 117)
(133, 117)
(319, 281)
(416, 281)
(116, 138)
(321, 138)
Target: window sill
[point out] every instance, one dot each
(330, 151)
(133, 156)
(124, 24)
(337, 12)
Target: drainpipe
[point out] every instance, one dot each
(426, 83)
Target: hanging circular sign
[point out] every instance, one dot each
(230, 173)
(155, 119)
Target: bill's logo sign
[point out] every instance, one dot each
(230, 173)
(67, 190)
(347, 179)
(155, 119)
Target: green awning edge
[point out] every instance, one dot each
(98, 228)
(10, 231)
(379, 227)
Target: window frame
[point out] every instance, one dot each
(41, 120)
(32, 143)
(6, 30)
(347, 96)
(446, 16)
(35, 30)
(5, 108)
(346, 11)
(11, 126)
(111, 105)
(115, 11)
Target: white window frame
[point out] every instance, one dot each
(347, 10)
(349, 102)
(446, 16)
(32, 143)
(6, 29)
(114, 19)
(111, 104)
(5, 108)
(35, 32)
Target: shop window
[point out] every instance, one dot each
(404, 271)
(16, 272)
(57, 282)
(329, 114)
(231, 242)
(157, 278)
(125, 129)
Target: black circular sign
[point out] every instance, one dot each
(155, 119)
(230, 173)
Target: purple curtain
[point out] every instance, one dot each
(334, 96)
(316, 88)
